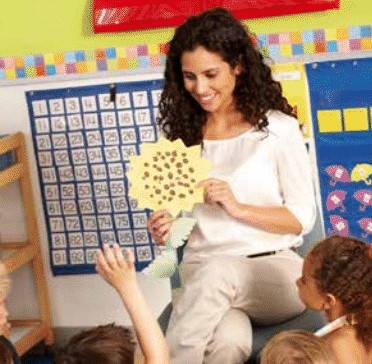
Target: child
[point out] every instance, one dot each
(103, 344)
(337, 279)
(296, 346)
(112, 344)
(8, 354)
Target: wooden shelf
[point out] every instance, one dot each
(10, 143)
(11, 174)
(14, 255)
(25, 333)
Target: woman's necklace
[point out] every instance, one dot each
(332, 326)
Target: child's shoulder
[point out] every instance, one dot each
(347, 348)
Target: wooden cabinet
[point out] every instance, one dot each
(25, 332)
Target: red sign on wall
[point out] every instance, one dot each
(122, 15)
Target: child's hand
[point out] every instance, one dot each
(115, 269)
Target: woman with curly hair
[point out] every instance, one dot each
(238, 264)
(337, 279)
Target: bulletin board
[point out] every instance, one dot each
(114, 16)
(341, 106)
(82, 138)
(292, 78)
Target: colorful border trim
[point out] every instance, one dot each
(79, 62)
(274, 45)
(318, 41)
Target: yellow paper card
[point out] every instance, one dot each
(329, 121)
(165, 175)
(356, 119)
(293, 80)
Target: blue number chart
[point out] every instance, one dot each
(341, 103)
(82, 141)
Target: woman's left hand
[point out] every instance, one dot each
(219, 192)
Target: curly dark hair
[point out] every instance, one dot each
(218, 31)
(109, 344)
(344, 269)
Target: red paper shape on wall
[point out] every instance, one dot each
(122, 15)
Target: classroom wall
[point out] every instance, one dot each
(66, 25)
(56, 26)
(76, 300)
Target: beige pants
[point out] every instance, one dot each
(210, 324)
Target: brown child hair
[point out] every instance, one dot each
(344, 269)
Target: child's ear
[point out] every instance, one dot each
(330, 301)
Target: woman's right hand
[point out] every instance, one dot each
(159, 226)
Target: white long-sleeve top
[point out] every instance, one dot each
(263, 168)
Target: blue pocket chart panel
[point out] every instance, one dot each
(82, 139)
(341, 105)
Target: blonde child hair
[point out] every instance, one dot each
(4, 282)
(296, 347)
(6, 356)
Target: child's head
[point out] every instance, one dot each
(337, 278)
(109, 344)
(296, 347)
(4, 290)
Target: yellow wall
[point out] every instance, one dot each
(42, 26)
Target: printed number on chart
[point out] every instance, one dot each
(140, 99)
(72, 105)
(125, 118)
(128, 136)
(56, 106)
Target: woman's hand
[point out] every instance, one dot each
(274, 219)
(219, 192)
(159, 226)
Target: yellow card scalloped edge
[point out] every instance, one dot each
(165, 176)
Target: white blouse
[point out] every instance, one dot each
(263, 168)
